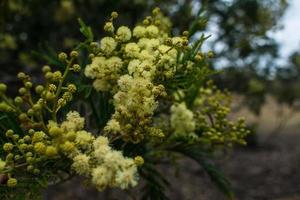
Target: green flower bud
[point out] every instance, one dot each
(9, 157)
(109, 27)
(15, 137)
(9, 133)
(185, 33)
(31, 131)
(210, 54)
(2, 165)
(57, 76)
(8, 147)
(74, 54)
(61, 102)
(36, 171)
(18, 100)
(157, 22)
(37, 107)
(91, 56)
(29, 147)
(29, 154)
(94, 45)
(27, 139)
(5, 108)
(76, 68)
(17, 157)
(30, 112)
(198, 58)
(3, 88)
(67, 96)
(21, 75)
(72, 88)
(114, 15)
(146, 22)
(62, 56)
(22, 91)
(24, 147)
(30, 160)
(139, 160)
(46, 69)
(23, 117)
(39, 89)
(28, 85)
(50, 96)
(49, 76)
(30, 168)
(12, 182)
(52, 88)
(21, 141)
(156, 11)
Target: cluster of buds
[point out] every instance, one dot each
(33, 106)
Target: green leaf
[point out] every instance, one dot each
(200, 156)
(49, 55)
(86, 30)
(155, 185)
(9, 121)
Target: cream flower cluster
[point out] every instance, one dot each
(134, 104)
(131, 65)
(91, 157)
(105, 71)
(182, 119)
(106, 167)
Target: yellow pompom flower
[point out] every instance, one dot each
(40, 147)
(108, 45)
(51, 151)
(81, 164)
(124, 33)
(139, 31)
(152, 31)
(182, 119)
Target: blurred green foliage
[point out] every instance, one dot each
(240, 37)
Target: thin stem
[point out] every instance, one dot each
(59, 88)
(6, 100)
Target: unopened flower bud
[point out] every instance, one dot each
(3, 88)
(76, 68)
(21, 75)
(22, 91)
(46, 69)
(28, 85)
(62, 56)
(114, 15)
(18, 100)
(12, 182)
(139, 160)
(74, 54)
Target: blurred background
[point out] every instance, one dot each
(257, 48)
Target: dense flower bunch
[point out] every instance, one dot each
(42, 141)
(131, 64)
(156, 86)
